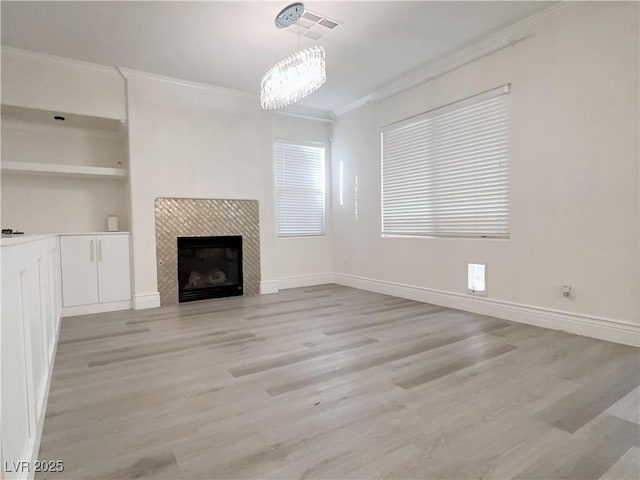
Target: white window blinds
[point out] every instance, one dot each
(299, 189)
(446, 172)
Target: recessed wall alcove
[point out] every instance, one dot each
(194, 217)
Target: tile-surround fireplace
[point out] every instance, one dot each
(196, 218)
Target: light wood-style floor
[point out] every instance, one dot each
(333, 382)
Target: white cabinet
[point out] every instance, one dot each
(95, 273)
(30, 298)
(79, 270)
(114, 270)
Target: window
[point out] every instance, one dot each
(445, 173)
(299, 189)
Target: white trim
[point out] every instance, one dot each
(611, 330)
(297, 281)
(268, 286)
(96, 308)
(458, 57)
(129, 73)
(146, 300)
(307, 113)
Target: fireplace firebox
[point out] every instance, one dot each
(209, 267)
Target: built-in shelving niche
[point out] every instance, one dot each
(62, 175)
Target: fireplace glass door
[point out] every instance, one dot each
(209, 267)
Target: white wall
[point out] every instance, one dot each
(52, 83)
(574, 173)
(305, 260)
(197, 142)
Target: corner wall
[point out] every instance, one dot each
(574, 181)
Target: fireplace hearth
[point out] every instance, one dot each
(209, 267)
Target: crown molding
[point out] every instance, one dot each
(130, 73)
(306, 113)
(458, 57)
(56, 59)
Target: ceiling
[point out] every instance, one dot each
(232, 44)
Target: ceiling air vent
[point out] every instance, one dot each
(313, 25)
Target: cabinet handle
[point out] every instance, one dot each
(99, 250)
(91, 251)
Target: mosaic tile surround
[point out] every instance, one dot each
(194, 217)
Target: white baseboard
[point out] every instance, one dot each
(268, 286)
(601, 328)
(305, 280)
(146, 300)
(96, 308)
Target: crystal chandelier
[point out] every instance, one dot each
(294, 77)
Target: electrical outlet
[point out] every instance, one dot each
(567, 291)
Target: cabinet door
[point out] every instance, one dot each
(114, 271)
(79, 270)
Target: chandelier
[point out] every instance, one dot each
(294, 77)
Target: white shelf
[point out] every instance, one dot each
(63, 170)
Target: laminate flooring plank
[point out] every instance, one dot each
(594, 451)
(416, 312)
(430, 374)
(261, 366)
(626, 468)
(627, 407)
(384, 465)
(604, 388)
(119, 355)
(593, 356)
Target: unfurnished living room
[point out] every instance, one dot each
(320, 240)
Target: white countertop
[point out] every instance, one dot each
(20, 239)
